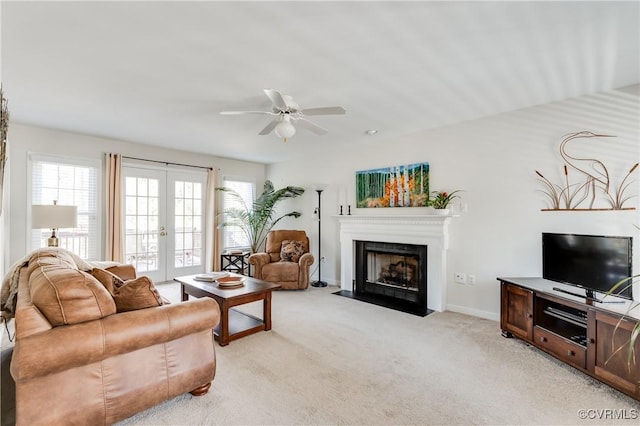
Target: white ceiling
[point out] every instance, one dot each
(159, 73)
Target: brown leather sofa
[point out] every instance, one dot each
(291, 273)
(77, 360)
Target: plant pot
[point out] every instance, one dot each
(441, 212)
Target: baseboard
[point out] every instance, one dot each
(474, 312)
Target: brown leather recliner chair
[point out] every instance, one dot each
(292, 273)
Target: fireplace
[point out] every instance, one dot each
(421, 230)
(392, 275)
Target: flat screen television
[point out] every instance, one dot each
(594, 263)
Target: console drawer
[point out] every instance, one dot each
(560, 347)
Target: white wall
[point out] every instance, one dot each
(26, 139)
(494, 161)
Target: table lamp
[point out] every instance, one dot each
(54, 216)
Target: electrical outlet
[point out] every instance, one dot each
(471, 279)
(460, 277)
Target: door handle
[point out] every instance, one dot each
(162, 234)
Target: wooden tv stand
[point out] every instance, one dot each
(579, 331)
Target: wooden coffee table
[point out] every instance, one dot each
(233, 323)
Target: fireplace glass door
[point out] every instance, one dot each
(393, 272)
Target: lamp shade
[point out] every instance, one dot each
(53, 216)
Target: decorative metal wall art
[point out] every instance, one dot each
(594, 182)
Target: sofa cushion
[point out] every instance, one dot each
(50, 257)
(67, 296)
(63, 255)
(280, 272)
(291, 250)
(139, 293)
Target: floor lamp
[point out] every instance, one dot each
(317, 216)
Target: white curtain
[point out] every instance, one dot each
(114, 247)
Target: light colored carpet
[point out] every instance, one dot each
(333, 360)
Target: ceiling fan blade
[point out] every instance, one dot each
(303, 122)
(277, 99)
(272, 125)
(334, 110)
(245, 112)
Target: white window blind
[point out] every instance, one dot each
(233, 236)
(72, 182)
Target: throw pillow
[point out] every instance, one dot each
(138, 293)
(109, 280)
(291, 250)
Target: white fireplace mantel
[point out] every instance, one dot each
(429, 230)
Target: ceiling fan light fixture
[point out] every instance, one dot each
(283, 110)
(285, 129)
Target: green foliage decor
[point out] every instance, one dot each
(629, 346)
(441, 199)
(256, 221)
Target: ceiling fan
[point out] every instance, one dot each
(286, 113)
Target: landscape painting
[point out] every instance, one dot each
(396, 186)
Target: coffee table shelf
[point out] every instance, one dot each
(241, 324)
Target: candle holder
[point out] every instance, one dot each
(349, 210)
(341, 210)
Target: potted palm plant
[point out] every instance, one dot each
(257, 220)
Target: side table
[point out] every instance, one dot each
(236, 262)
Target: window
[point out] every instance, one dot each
(188, 223)
(233, 236)
(72, 182)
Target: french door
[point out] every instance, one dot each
(164, 222)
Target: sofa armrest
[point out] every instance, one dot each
(306, 260)
(70, 346)
(258, 260)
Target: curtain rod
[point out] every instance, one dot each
(167, 163)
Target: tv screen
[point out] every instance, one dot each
(595, 263)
